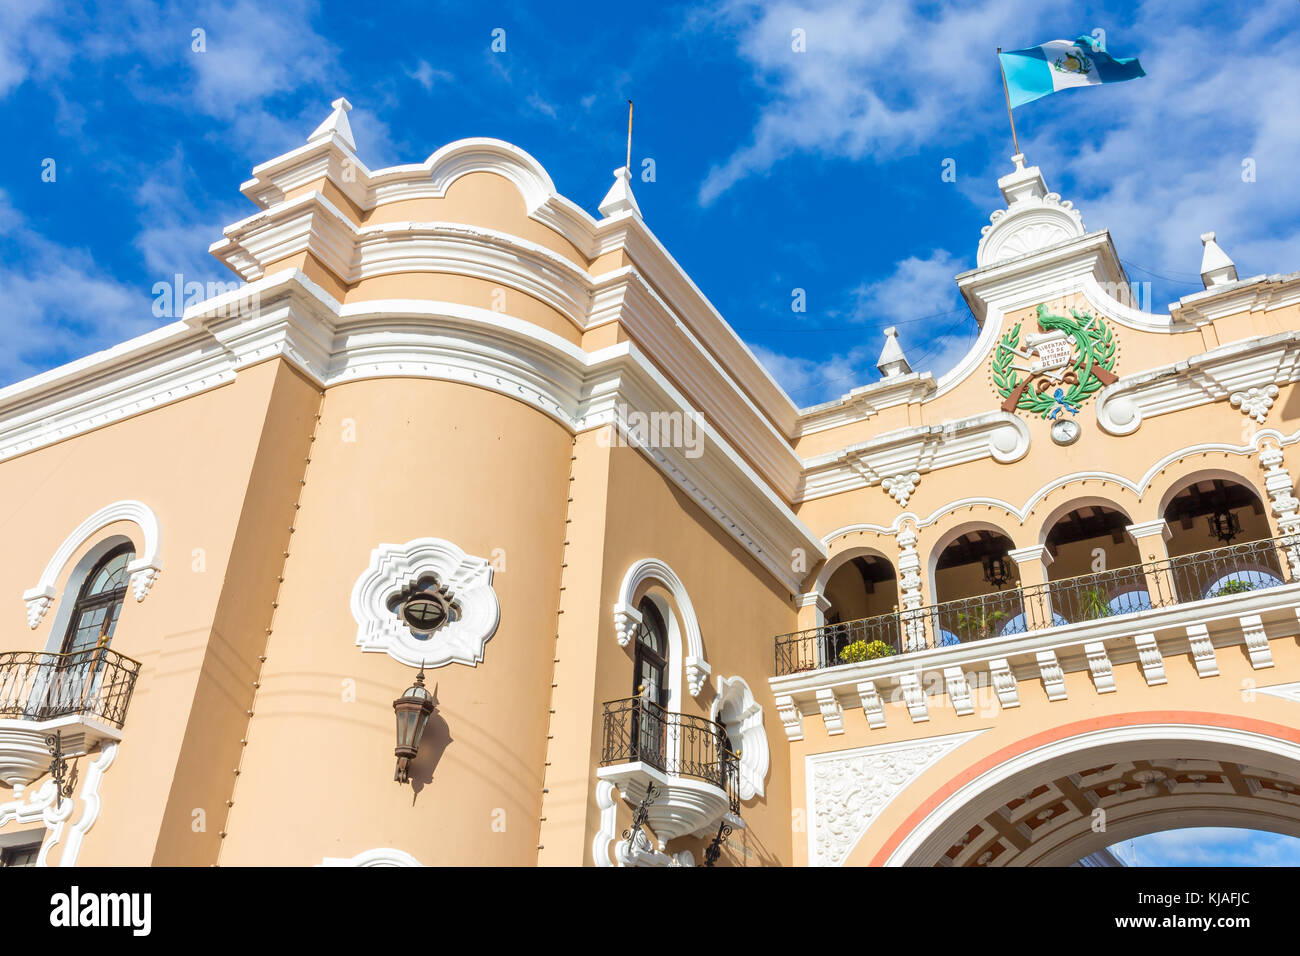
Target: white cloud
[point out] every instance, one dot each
(935, 330)
(1216, 846)
(174, 237)
(810, 381)
(58, 302)
(877, 76)
(1164, 163)
(428, 75)
(917, 287)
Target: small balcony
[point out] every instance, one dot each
(83, 695)
(686, 759)
(1116, 593)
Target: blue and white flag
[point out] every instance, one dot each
(1060, 65)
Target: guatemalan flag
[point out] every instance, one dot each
(1059, 65)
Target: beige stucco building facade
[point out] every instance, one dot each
(1008, 616)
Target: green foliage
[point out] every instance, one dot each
(1234, 586)
(1093, 604)
(860, 651)
(980, 624)
(1096, 346)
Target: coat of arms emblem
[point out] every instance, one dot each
(1073, 62)
(1069, 359)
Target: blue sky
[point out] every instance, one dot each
(775, 170)
(1211, 846)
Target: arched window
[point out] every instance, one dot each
(99, 602)
(651, 657)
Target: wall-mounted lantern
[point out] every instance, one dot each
(424, 606)
(412, 709)
(1224, 525)
(996, 570)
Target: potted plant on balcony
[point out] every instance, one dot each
(1093, 604)
(860, 651)
(1233, 586)
(977, 625)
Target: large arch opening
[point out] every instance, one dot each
(1094, 571)
(1220, 539)
(1214, 512)
(863, 586)
(1063, 801)
(974, 585)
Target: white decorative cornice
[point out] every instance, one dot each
(849, 789)
(1259, 293)
(143, 569)
(652, 571)
(392, 568)
(1210, 377)
(591, 238)
(997, 435)
(287, 315)
(865, 402)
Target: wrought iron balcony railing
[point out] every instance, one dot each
(681, 745)
(1235, 569)
(98, 682)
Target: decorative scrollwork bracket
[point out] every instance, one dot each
(65, 781)
(639, 817)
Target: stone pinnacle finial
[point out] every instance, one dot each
(892, 361)
(620, 198)
(336, 122)
(1216, 267)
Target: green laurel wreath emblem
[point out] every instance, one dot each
(1094, 349)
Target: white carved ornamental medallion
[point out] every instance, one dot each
(396, 566)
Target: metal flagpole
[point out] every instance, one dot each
(628, 164)
(1014, 141)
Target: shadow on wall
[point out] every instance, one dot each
(437, 737)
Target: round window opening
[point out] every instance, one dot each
(424, 606)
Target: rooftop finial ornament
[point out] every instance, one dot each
(336, 122)
(619, 198)
(892, 361)
(1217, 268)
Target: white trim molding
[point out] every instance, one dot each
(144, 569)
(626, 616)
(848, 789)
(380, 856)
(394, 566)
(1228, 373)
(735, 708)
(902, 457)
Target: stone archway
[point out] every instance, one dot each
(1058, 802)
